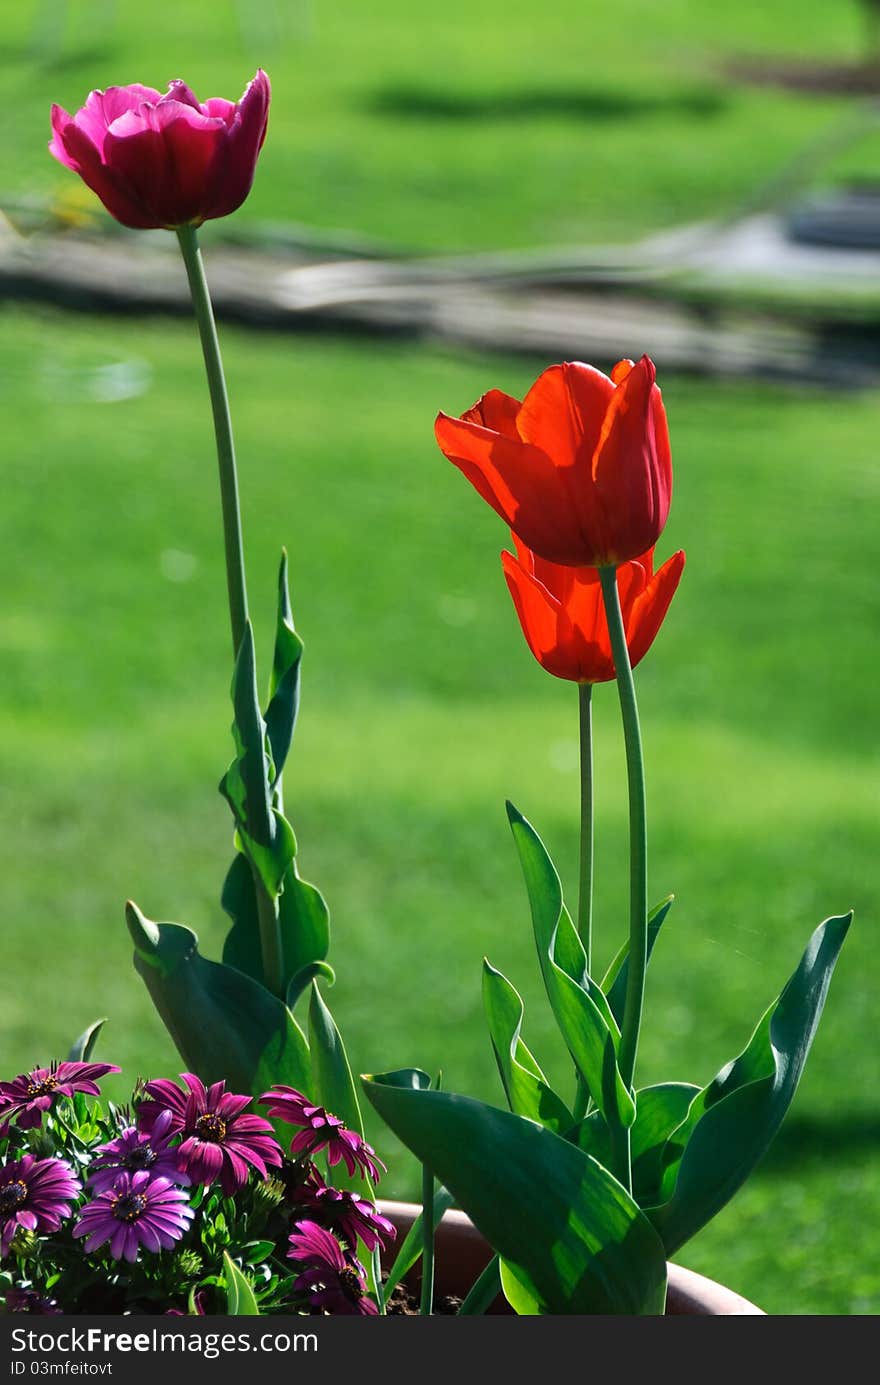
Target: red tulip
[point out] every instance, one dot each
(562, 614)
(580, 470)
(164, 161)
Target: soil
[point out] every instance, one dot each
(403, 1301)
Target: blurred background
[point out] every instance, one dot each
(451, 197)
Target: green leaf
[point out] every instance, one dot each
(526, 1088)
(410, 1250)
(592, 1136)
(614, 983)
(239, 900)
(256, 1251)
(659, 1111)
(731, 1122)
(284, 687)
(332, 1081)
(579, 1006)
(81, 1051)
(224, 1024)
(303, 922)
(302, 979)
(570, 1233)
(263, 833)
(240, 1299)
(517, 1291)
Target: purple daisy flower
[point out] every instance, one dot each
(218, 1140)
(26, 1097)
(346, 1213)
(332, 1279)
(30, 1301)
(322, 1131)
(35, 1194)
(137, 1211)
(134, 1150)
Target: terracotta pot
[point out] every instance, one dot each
(462, 1253)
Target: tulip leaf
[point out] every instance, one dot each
(411, 1248)
(579, 1005)
(567, 1230)
(284, 687)
(305, 976)
(246, 784)
(81, 1051)
(239, 900)
(731, 1122)
(614, 983)
(517, 1291)
(332, 1082)
(659, 1111)
(262, 832)
(303, 922)
(525, 1086)
(240, 1298)
(225, 1025)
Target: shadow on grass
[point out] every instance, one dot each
(54, 57)
(806, 1138)
(529, 103)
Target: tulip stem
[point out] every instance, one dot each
(638, 836)
(585, 883)
(270, 939)
(204, 312)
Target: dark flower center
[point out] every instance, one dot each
(12, 1196)
(350, 1283)
(44, 1088)
(128, 1206)
(141, 1157)
(211, 1127)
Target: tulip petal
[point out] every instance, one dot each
(519, 481)
(60, 119)
(103, 107)
(233, 174)
(497, 411)
(649, 609)
(564, 410)
(545, 625)
(167, 153)
(632, 468)
(112, 187)
(179, 91)
(632, 578)
(220, 109)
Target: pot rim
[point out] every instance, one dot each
(689, 1294)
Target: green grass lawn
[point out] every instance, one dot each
(484, 126)
(423, 710)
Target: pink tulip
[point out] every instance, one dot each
(164, 161)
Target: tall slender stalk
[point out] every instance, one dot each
(585, 883)
(638, 838)
(204, 313)
(270, 939)
(585, 880)
(427, 1302)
